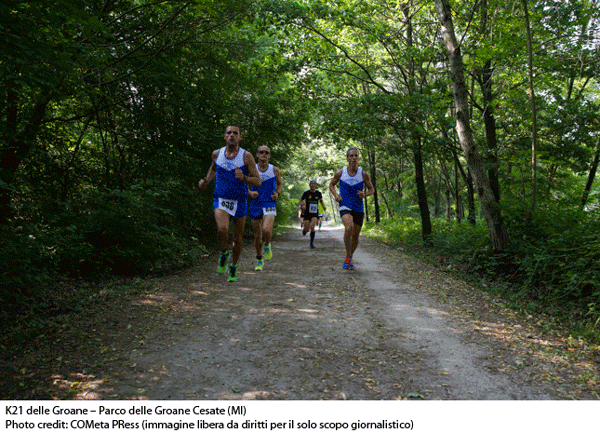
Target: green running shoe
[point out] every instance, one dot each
(222, 266)
(259, 266)
(233, 273)
(268, 253)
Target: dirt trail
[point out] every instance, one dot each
(304, 328)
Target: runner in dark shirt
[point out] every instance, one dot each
(310, 205)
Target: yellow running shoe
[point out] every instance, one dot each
(259, 266)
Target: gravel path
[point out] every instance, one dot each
(303, 329)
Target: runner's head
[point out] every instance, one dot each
(233, 135)
(313, 185)
(352, 156)
(263, 153)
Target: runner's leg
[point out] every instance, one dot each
(355, 236)
(258, 236)
(222, 220)
(306, 227)
(348, 222)
(238, 231)
(267, 228)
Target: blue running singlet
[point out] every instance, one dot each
(228, 186)
(349, 187)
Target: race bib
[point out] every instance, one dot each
(271, 210)
(313, 208)
(229, 206)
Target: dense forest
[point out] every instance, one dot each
(479, 123)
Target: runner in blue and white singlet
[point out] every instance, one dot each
(235, 170)
(352, 180)
(349, 187)
(262, 208)
(230, 193)
(265, 192)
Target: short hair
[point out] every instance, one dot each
(352, 148)
(235, 125)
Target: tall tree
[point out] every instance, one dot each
(489, 205)
(485, 78)
(534, 129)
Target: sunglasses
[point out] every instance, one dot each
(266, 152)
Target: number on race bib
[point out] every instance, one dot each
(229, 206)
(313, 208)
(271, 210)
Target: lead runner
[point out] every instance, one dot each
(235, 169)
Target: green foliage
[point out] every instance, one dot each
(24, 263)
(286, 208)
(404, 231)
(557, 255)
(129, 232)
(110, 232)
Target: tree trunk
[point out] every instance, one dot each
(470, 191)
(591, 177)
(334, 207)
(489, 205)
(422, 194)
(490, 129)
(533, 110)
(460, 213)
(399, 172)
(374, 182)
(18, 147)
(390, 214)
(418, 156)
(489, 119)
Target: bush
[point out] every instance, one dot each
(129, 231)
(286, 209)
(24, 263)
(558, 255)
(111, 231)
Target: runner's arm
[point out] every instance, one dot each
(278, 183)
(254, 178)
(368, 184)
(303, 202)
(251, 193)
(336, 178)
(212, 171)
(323, 204)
